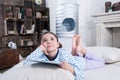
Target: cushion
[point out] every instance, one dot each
(36, 72)
(109, 54)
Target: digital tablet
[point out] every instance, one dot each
(48, 63)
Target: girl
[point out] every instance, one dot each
(49, 50)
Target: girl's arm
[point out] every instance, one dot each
(36, 55)
(77, 63)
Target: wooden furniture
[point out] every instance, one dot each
(8, 58)
(23, 22)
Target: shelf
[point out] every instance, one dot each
(10, 19)
(26, 46)
(24, 23)
(43, 19)
(26, 34)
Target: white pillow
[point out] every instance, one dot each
(109, 54)
(36, 72)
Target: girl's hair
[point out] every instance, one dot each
(46, 32)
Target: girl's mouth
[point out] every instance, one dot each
(49, 46)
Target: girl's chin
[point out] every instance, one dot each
(50, 51)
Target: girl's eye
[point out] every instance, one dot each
(52, 38)
(44, 40)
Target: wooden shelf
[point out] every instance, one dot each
(21, 24)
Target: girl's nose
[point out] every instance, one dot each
(48, 41)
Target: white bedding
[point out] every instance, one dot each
(36, 72)
(108, 72)
(18, 72)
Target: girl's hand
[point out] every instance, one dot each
(43, 49)
(66, 66)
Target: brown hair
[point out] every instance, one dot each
(46, 32)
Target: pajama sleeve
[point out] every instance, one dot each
(36, 55)
(78, 63)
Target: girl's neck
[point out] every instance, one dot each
(52, 54)
(52, 57)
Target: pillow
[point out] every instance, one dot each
(36, 72)
(109, 54)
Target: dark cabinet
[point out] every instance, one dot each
(8, 58)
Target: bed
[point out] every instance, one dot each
(110, 71)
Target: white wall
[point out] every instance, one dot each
(87, 28)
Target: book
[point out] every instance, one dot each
(48, 63)
(5, 27)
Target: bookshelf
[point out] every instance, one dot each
(23, 23)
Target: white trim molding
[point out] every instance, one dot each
(105, 25)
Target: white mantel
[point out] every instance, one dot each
(108, 29)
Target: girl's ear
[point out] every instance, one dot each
(60, 45)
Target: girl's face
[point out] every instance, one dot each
(50, 42)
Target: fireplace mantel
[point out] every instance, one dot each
(107, 26)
